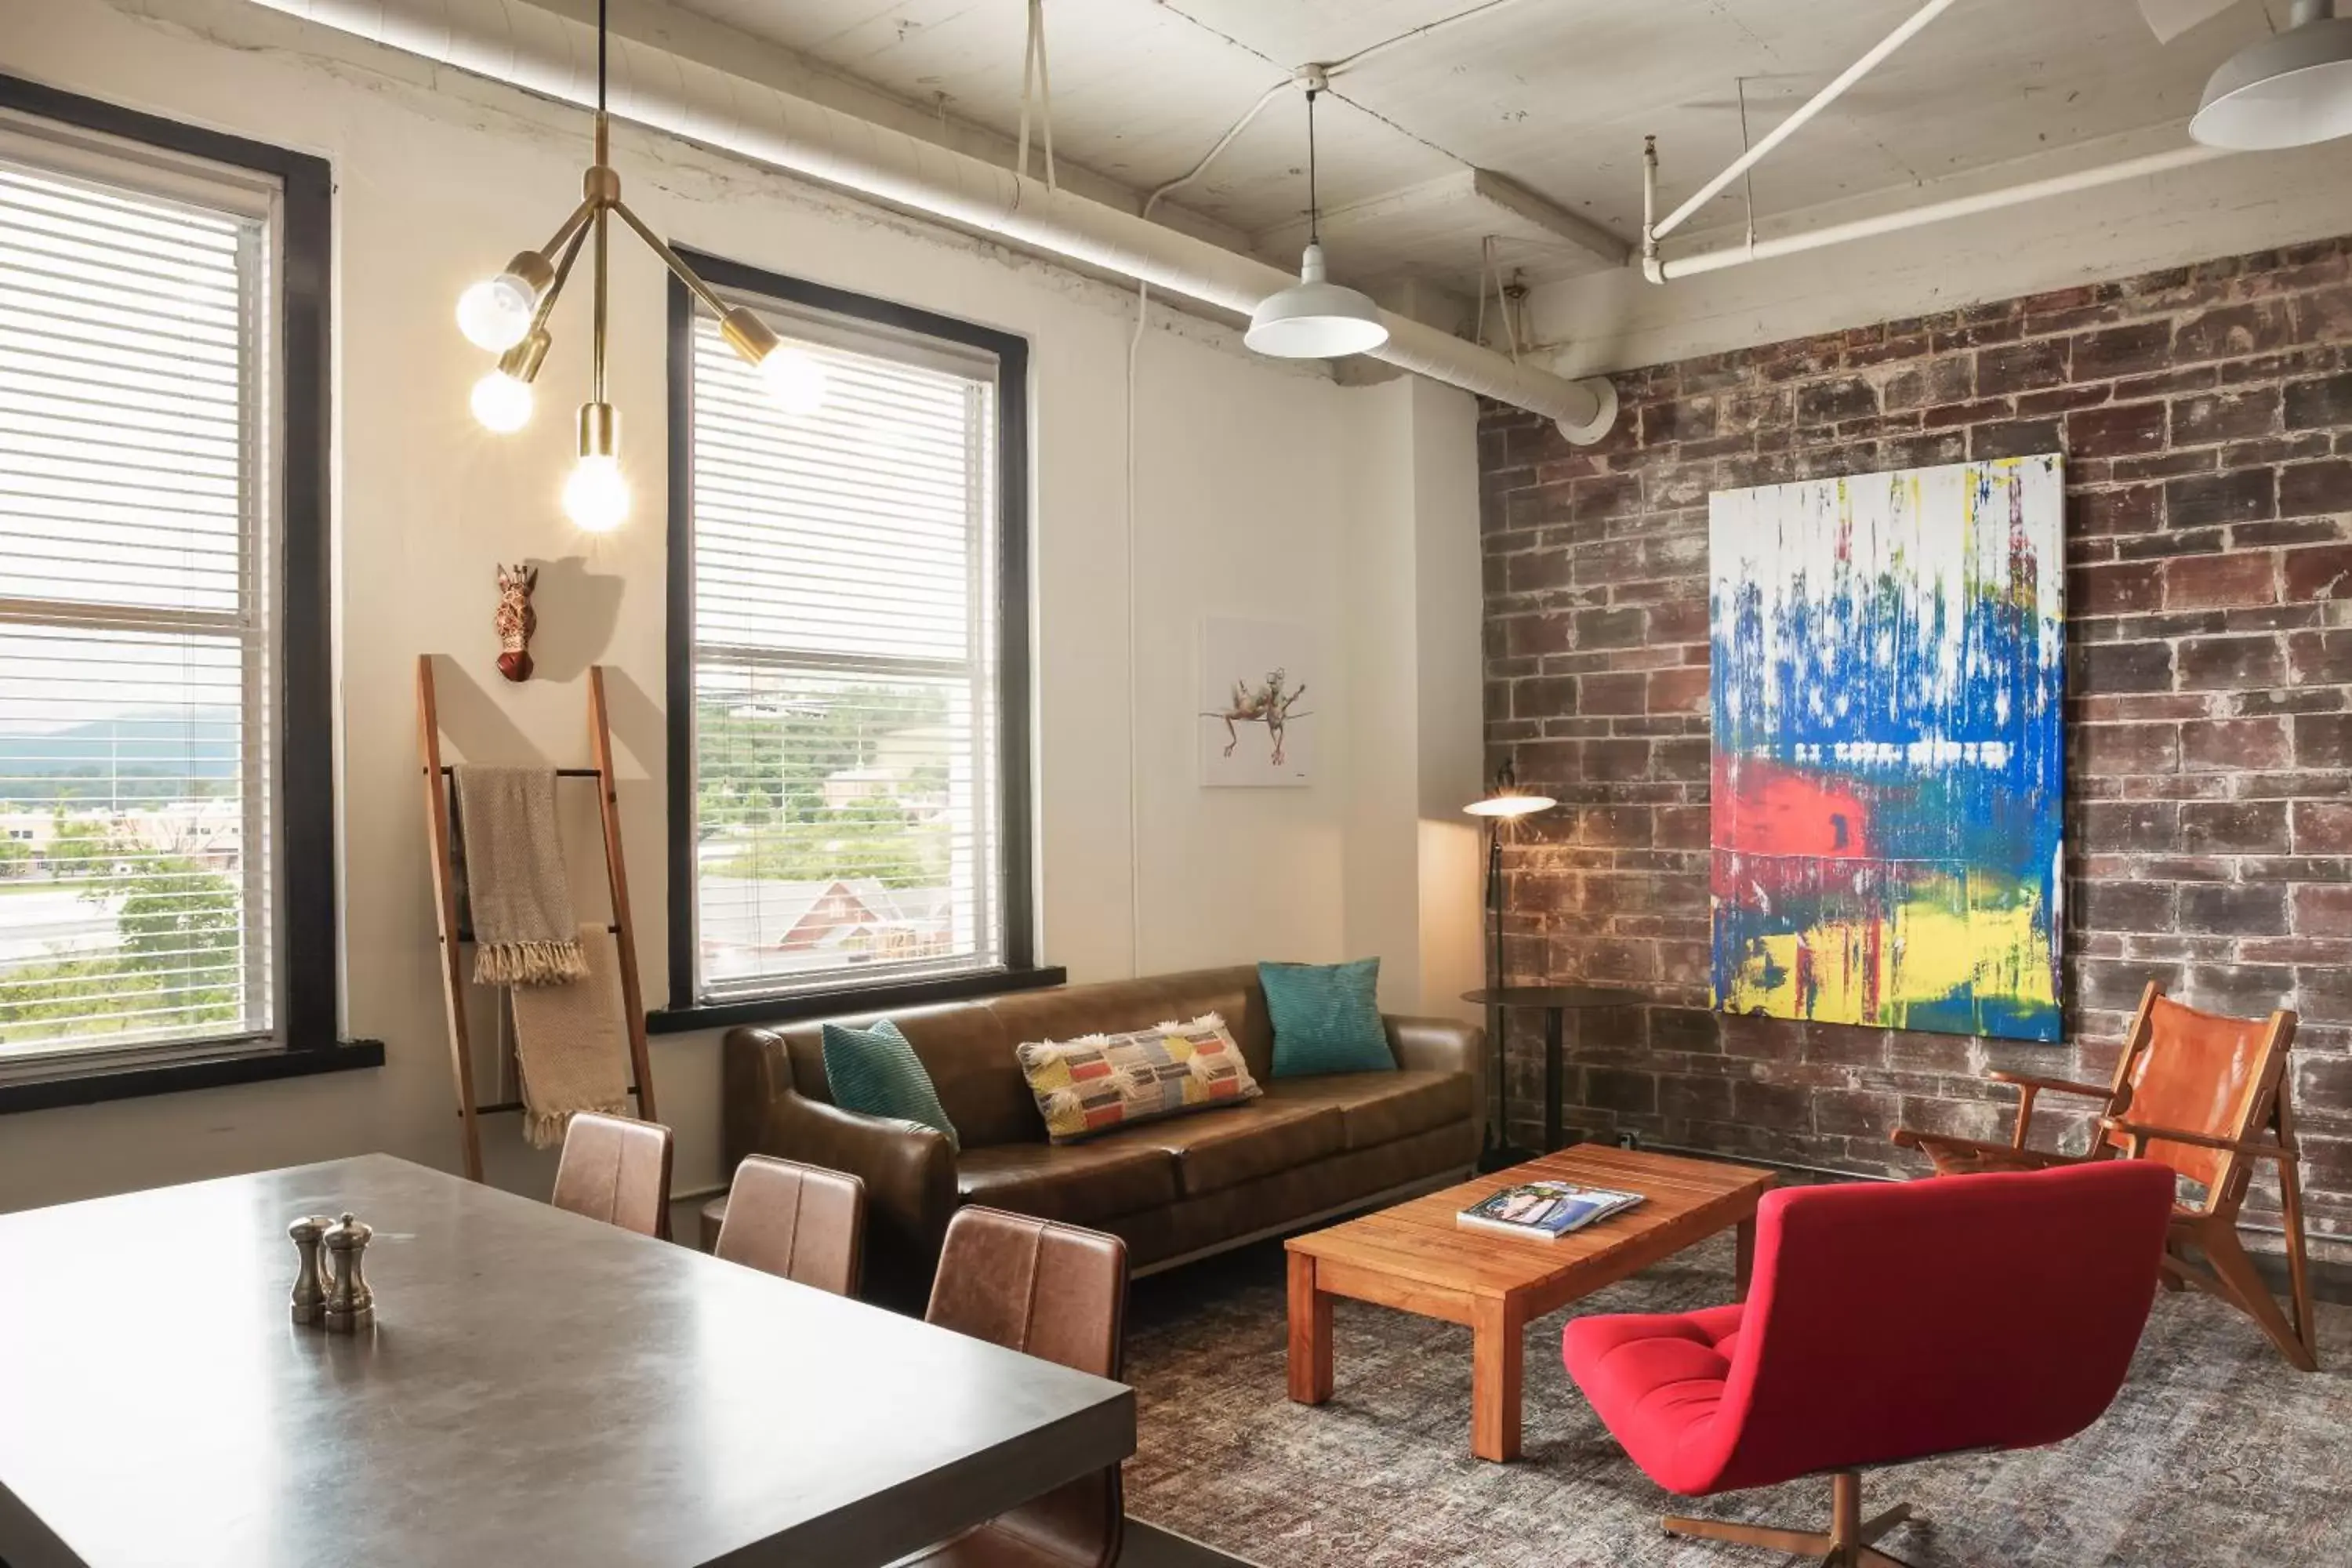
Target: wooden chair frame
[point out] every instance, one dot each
(1850, 1541)
(2205, 1251)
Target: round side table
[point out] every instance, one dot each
(1554, 1001)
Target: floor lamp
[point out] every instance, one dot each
(1502, 806)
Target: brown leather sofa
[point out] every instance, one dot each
(1173, 1189)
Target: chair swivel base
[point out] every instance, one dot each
(1849, 1542)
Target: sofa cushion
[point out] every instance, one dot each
(967, 1056)
(1079, 1184)
(1212, 1220)
(1378, 1107)
(1235, 1144)
(1099, 1083)
(875, 1072)
(1116, 1005)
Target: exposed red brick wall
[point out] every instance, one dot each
(2206, 414)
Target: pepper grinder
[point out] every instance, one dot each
(350, 1305)
(309, 1301)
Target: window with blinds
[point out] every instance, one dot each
(135, 652)
(848, 802)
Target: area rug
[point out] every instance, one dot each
(2217, 1454)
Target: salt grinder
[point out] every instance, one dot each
(350, 1305)
(309, 1304)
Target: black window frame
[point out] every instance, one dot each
(1015, 692)
(306, 1010)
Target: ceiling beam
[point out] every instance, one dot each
(1545, 214)
(1438, 225)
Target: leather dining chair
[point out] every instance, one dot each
(802, 1222)
(1058, 1292)
(1887, 1321)
(616, 1169)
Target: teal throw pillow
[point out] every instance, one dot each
(876, 1073)
(1327, 1017)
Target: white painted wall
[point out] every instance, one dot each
(1616, 320)
(1414, 603)
(1240, 510)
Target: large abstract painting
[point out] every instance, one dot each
(1888, 668)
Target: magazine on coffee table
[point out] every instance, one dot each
(1545, 1211)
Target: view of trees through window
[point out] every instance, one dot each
(809, 793)
(121, 907)
(833, 819)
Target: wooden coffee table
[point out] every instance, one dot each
(1415, 1258)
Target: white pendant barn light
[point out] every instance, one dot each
(2292, 89)
(1315, 318)
(507, 314)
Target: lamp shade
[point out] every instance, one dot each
(1314, 318)
(2290, 89)
(1511, 806)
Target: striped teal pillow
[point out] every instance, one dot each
(876, 1073)
(1327, 1017)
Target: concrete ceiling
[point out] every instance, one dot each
(1521, 120)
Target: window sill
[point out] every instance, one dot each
(175, 1077)
(848, 1000)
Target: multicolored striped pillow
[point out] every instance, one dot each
(1104, 1081)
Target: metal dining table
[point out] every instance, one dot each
(537, 1388)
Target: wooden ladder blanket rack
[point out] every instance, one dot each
(440, 821)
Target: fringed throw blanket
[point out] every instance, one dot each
(524, 929)
(568, 1046)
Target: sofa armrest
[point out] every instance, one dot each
(1445, 1045)
(1441, 1044)
(908, 1169)
(1437, 1045)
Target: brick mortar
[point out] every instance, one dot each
(2206, 412)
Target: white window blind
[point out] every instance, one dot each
(135, 613)
(847, 796)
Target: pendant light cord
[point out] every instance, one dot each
(596, 326)
(1314, 213)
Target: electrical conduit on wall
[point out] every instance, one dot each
(542, 52)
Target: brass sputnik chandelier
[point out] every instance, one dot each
(508, 315)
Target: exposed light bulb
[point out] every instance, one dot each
(502, 403)
(596, 498)
(494, 315)
(793, 379)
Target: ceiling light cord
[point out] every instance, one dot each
(1314, 212)
(1371, 51)
(1211, 156)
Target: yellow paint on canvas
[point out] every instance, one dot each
(1935, 948)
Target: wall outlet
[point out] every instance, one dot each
(1629, 1140)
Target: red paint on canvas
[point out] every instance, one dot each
(1778, 810)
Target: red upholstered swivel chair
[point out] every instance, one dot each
(1887, 1321)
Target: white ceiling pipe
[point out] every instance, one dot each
(1661, 271)
(1804, 113)
(542, 52)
